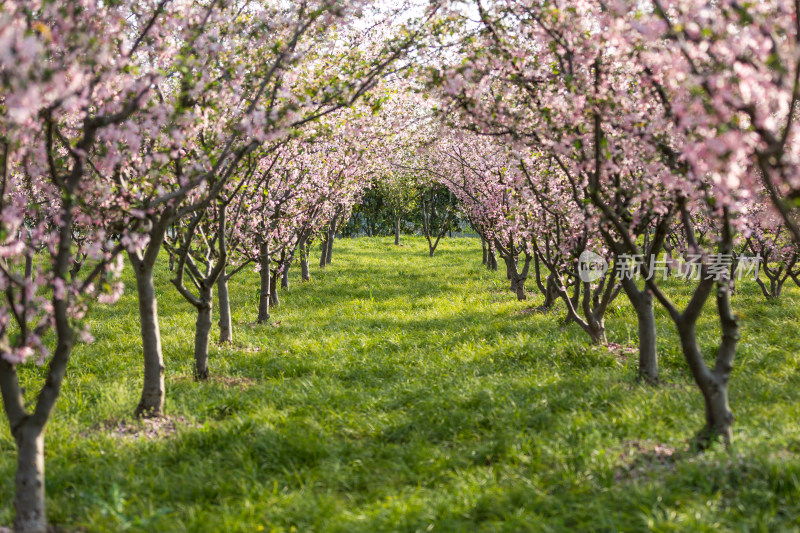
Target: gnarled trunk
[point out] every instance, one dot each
(517, 277)
(714, 387)
(713, 382)
(225, 321)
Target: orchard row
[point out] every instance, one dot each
(233, 135)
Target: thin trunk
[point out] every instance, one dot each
(29, 502)
(329, 243)
(304, 272)
(776, 281)
(264, 292)
(485, 251)
(397, 231)
(202, 333)
(274, 299)
(492, 265)
(28, 266)
(285, 277)
(225, 321)
(151, 403)
(323, 256)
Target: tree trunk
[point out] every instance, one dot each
(509, 270)
(202, 333)
(264, 292)
(551, 292)
(225, 322)
(329, 243)
(719, 418)
(642, 302)
(323, 257)
(485, 252)
(520, 288)
(28, 266)
(713, 386)
(285, 277)
(153, 390)
(598, 332)
(648, 356)
(29, 502)
(492, 264)
(304, 272)
(397, 231)
(274, 299)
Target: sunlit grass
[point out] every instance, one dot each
(396, 392)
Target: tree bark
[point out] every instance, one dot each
(225, 321)
(509, 270)
(323, 257)
(551, 292)
(304, 272)
(264, 292)
(329, 242)
(202, 333)
(397, 231)
(274, 299)
(151, 403)
(713, 385)
(285, 277)
(485, 252)
(648, 356)
(516, 276)
(642, 302)
(29, 502)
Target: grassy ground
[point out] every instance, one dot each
(397, 392)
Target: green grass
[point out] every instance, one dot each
(396, 392)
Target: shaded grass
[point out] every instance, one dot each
(396, 392)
